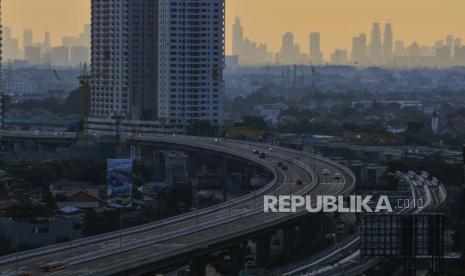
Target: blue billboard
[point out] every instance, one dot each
(119, 180)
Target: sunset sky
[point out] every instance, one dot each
(423, 21)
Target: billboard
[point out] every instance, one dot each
(119, 180)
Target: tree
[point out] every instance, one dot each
(49, 200)
(256, 122)
(61, 198)
(202, 128)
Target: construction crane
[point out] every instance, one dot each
(84, 83)
(84, 86)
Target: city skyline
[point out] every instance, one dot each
(437, 19)
(378, 47)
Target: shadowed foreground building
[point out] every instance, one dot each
(158, 64)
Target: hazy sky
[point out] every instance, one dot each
(266, 20)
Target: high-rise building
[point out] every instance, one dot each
(414, 49)
(47, 43)
(164, 71)
(459, 55)
(59, 56)
(443, 56)
(110, 56)
(11, 50)
(290, 52)
(316, 56)
(399, 48)
(238, 37)
(33, 55)
(248, 52)
(426, 51)
(28, 39)
(450, 44)
(376, 45)
(84, 38)
(388, 42)
(438, 44)
(79, 56)
(339, 57)
(196, 59)
(359, 49)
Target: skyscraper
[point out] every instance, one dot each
(414, 49)
(399, 48)
(339, 57)
(28, 39)
(33, 55)
(191, 66)
(163, 71)
(248, 52)
(375, 45)
(388, 42)
(10, 45)
(124, 57)
(359, 49)
(79, 56)
(290, 52)
(59, 56)
(316, 56)
(450, 43)
(238, 37)
(84, 38)
(47, 44)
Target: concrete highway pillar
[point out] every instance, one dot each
(222, 173)
(310, 229)
(197, 266)
(249, 173)
(237, 260)
(263, 250)
(305, 232)
(289, 239)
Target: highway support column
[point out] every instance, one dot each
(263, 250)
(237, 259)
(197, 266)
(310, 228)
(289, 238)
(222, 176)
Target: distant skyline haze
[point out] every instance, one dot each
(265, 21)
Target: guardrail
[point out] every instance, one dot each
(142, 228)
(351, 243)
(187, 231)
(197, 245)
(139, 229)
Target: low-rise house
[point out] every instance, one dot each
(81, 200)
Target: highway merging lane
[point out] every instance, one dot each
(104, 254)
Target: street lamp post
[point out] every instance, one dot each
(16, 241)
(120, 228)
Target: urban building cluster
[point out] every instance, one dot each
(378, 49)
(73, 51)
(161, 73)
